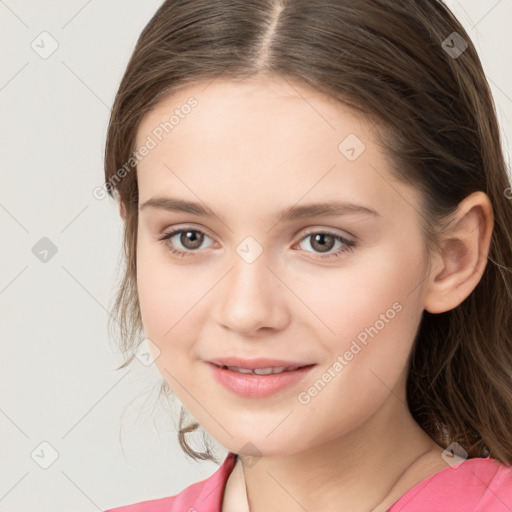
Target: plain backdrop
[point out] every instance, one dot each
(77, 434)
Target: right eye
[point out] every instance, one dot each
(189, 238)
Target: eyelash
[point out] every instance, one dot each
(349, 245)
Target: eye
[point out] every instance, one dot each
(324, 241)
(189, 238)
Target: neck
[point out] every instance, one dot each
(366, 470)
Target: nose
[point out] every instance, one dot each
(251, 298)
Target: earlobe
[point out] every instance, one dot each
(460, 264)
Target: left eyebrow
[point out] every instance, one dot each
(330, 208)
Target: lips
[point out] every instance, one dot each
(257, 363)
(258, 378)
(261, 371)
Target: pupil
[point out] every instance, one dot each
(321, 238)
(188, 237)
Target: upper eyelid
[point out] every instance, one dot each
(308, 230)
(333, 231)
(176, 229)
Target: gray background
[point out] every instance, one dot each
(58, 378)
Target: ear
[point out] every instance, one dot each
(122, 209)
(459, 265)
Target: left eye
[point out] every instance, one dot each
(324, 241)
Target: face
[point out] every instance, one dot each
(337, 291)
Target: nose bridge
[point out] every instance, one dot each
(248, 298)
(249, 277)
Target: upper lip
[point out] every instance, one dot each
(256, 363)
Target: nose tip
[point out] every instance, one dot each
(247, 301)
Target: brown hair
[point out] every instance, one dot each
(389, 61)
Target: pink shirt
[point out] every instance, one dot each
(475, 485)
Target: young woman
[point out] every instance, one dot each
(318, 232)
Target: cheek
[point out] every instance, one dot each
(167, 295)
(368, 291)
(373, 312)
(368, 314)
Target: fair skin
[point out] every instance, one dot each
(248, 151)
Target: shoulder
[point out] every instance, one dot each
(204, 495)
(476, 485)
(495, 482)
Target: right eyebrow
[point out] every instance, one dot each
(177, 205)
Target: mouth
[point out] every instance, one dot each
(259, 382)
(272, 370)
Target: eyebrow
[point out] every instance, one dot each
(296, 212)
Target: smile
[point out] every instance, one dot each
(260, 371)
(259, 382)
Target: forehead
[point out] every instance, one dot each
(273, 101)
(269, 136)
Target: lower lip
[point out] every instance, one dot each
(258, 386)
